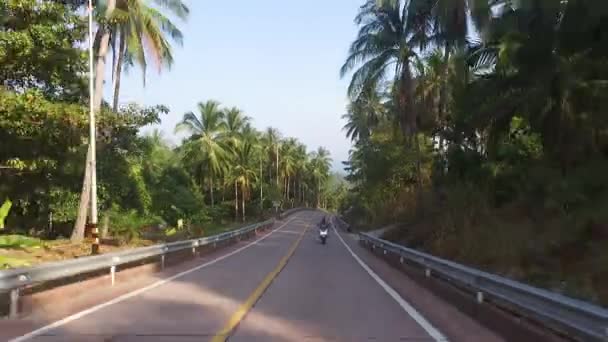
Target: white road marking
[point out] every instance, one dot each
(426, 325)
(132, 294)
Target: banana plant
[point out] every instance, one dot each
(4, 210)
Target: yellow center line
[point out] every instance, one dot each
(246, 306)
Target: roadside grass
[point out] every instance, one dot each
(22, 251)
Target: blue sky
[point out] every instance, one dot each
(277, 60)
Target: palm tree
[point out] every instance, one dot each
(320, 165)
(363, 115)
(140, 32)
(236, 122)
(541, 53)
(301, 161)
(272, 139)
(205, 146)
(244, 172)
(445, 23)
(288, 162)
(385, 45)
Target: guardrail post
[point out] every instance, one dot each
(14, 304)
(162, 262)
(427, 272)
(113, 274)
(479, 297)
(401, 260)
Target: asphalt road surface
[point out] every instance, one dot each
(285, 286)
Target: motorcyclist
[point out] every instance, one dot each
(324, 223)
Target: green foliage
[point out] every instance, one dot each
(19, 241)
(127, 224)
(63, 204)
(509, 155)
(4, 211)
(142, 180)
(9, 262)
(38, 48)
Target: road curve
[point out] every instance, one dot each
(285, 286)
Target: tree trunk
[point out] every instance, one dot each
(106, 226)
(409, 123)
(85, 195)
(118, 71)
(288, 188)
(277, 154)
(420, 206)
(78, 232)
(443, 95)
(243, 190)
(261, 186)
(211, 191)
(318, 193)
(223, 190)
(236, 200)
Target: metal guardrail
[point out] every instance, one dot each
(13, 280)
(565, 315)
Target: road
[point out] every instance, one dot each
(285, 286)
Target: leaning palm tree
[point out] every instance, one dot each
(205, 147)
(141, 33)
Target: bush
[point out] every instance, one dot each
(19, 241)
(127, 225)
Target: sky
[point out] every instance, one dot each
(276, 60)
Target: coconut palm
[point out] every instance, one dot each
(301, 161)
(445, 23)
(319, 166)
(386, 46)
(362, 115)
(140, 33)
(236, 123)
(244, 173)
(272, 140)
(204, 146)
(288, 163)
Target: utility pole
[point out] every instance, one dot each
(92, 139)
(97, 97)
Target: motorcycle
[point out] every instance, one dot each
(323, 232)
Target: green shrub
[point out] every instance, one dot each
(4, 210)
(127, 225)
(19, 241)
